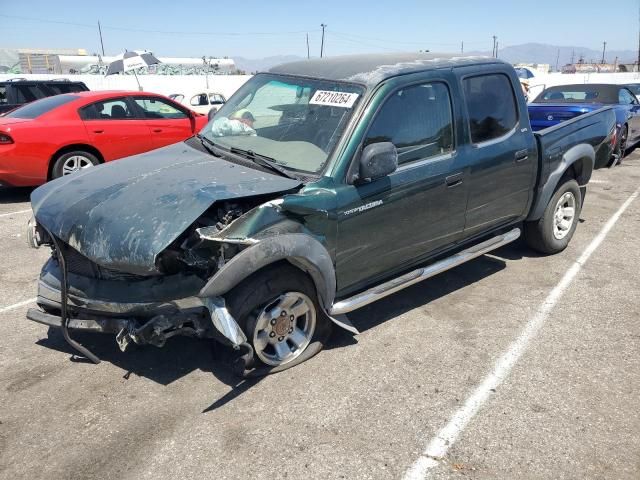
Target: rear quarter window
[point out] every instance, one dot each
(40, 107)
(491, 105)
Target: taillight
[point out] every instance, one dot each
(5, 139)
(614, 136)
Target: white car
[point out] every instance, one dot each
(204, 102)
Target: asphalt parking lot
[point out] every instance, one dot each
(368, 406)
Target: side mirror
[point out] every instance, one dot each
(378, 160)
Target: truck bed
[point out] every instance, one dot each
(588, 136)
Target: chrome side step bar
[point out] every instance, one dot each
(380, 291)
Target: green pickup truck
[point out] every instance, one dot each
(321, 186)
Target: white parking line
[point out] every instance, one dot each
(17, 305)
(14, 213)
(438, 447)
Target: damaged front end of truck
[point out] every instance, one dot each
(150, 256)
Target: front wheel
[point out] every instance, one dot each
(553, 232)
(278, 310)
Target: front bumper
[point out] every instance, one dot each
(169, 306)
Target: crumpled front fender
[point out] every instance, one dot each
(300, 249)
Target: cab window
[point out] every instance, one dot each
(491, 105)
(417, 120)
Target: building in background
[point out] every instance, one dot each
(76, 61)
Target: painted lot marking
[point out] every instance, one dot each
(14, 213)
(17, 305)
(439, 445)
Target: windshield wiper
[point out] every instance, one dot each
(209, 145)
(262, 160)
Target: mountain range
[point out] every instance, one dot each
(524, 53)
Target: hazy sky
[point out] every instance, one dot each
(259, 28)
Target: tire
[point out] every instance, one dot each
(621, 146)
(71, 162)
(279, 340)
(553, 232)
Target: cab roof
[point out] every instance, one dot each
(371, 69)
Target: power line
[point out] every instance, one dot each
(401, 42)
(163, 32)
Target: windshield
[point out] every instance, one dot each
(635, 88)
(40, 107)
(294, 121)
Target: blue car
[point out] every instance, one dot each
(564, 102)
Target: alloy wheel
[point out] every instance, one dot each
(284, 328)
(564, 215)
(75, 163)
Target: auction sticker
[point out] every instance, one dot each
(334, 99)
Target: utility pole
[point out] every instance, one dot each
(100, 33)
(308, 56)
(604, 49)
(462, 47)
(322, 42)
(495, 50)
(557, 59)
(638, 68)
(497, 46)
(573, 56)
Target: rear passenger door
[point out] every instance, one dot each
(167, 122)
(391, 223)
(502, 154)
(115, 129)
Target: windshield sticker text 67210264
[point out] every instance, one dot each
(334, 99)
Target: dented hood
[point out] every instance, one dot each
(122, 214)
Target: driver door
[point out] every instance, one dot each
(389, 224)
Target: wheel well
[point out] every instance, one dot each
(576, 171)
(70, 148)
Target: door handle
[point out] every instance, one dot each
(98, 131)
(157, 130)
(521, 155)
(454, 180)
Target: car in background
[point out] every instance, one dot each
(59, 135)
(563, 102)
(204, 102)
(19, 91)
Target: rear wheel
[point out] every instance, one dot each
(621, 147)
(553, 232)
(72, 162)
(278, 310)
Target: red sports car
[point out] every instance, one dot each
(59, 135)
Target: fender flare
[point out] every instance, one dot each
(583, 153)
(302, 250)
